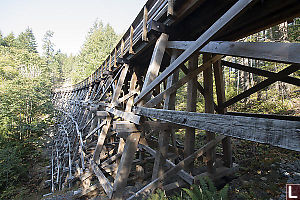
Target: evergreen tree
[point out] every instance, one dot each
(9, 40)
(1, 39)
(26, 40)
(48, 46)
(99, 43)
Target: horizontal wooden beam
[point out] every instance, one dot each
(124, 126)
(102, 114)
(232, 13)
(266, 116)
(270, 51)
(261, 72)
(279, 133)
(129, 116)
(277, 77)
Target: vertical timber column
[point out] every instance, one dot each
(120, 84)
(220, 89)
(189, 140)
(170, 100)
(101, 139)
(125, 164)
(95, 120)
(155, 63)
(209, 108)
(163, 140)
(127, 109)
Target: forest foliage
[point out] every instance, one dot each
(27, 77)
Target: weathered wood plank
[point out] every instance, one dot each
(270, 51)
(163, 140)
(145, 20)
(96, 129)
(155, 62)
(111, 159)
(153, 184)
(102, 179)
(110, 84)
(124, 126)
(189, 138)
(131, 40)
(199, 43)
(125, 164)
(120, 84)
(220, 90)
(102, 114)
(182, 174)
(133, 81)
(279, 133)
(209, 108)
(127, 96)
(101, 139)
(161, 155)
(129, 116)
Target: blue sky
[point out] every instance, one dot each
(69, 19)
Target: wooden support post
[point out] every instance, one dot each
(209, 108)
(131, 40)
(122, 48)
(220, 90)
(170, 99)
(170, 8)
(161, 155)
(125, 165)
(115, 58)
(109, 64)
(127, 109)
(145, 19)
(120, 84)
(189, 139)
(101, 139)
(94, 122)
(155, 63)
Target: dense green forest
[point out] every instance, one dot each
(27, 77)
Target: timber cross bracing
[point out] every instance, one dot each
(106, 125)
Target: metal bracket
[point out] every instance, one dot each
(159, 27)
(122, 61)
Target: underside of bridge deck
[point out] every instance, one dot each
(122, 119)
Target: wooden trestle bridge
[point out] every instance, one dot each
(119, 121)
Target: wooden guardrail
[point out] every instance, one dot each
(120, 122)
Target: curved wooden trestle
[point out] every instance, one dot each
(106, 125)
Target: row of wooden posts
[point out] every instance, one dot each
(106, 130)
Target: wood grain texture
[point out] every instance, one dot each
(270, 51)
(199, 43)
(280, 133)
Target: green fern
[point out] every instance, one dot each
(158, 195)
(206, 191)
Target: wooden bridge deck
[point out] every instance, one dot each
(106, 123)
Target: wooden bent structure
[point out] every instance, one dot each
(106, 125)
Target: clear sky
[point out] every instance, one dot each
(69, 19)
